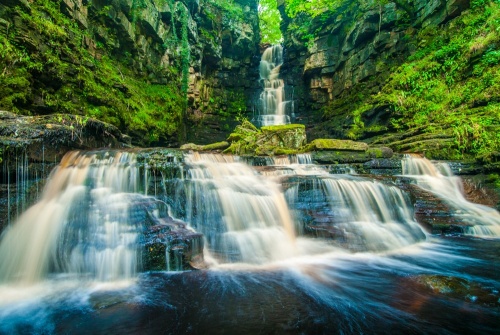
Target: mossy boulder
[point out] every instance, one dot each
(47, 138)
(334, 151)
(292, 136)
(268, 141)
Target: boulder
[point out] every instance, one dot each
(218, 146)
(171, 247)
(268, 141)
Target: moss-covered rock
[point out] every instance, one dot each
(291, 136)
(209, 147)
(333, 144)
(335, 151)
(268, 141)
(340, 157)
(48, 137)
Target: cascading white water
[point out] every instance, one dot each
(81, 224)
(366, 215)
(378, 215)
(244, 217)
(272, 98)
(440, 180)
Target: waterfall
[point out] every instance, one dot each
(81, 225)
(272, 98)
(243, 216)
(95, 220)
(362, 215)
(439, 180)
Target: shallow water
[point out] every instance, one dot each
(333, 293)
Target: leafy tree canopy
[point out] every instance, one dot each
(316, 7)
(311, 7)
(269, 19)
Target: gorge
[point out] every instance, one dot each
(168, 169)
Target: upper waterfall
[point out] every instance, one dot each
(273, 104)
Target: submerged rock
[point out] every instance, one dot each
(459, 288)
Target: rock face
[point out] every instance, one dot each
(48, 138)
(202, 52)
(349, 51)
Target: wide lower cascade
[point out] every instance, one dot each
(439, 179)
(243, 216)
(96, 221)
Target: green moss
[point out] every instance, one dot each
(494, 179)
(381, 152)
(279, 128)
(191, 146)
(83, 75)
(333, 144)
(283, 151)
(268, 141)
(216, 146)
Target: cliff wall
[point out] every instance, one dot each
(161, 70)
(414, 75)
(329, 56)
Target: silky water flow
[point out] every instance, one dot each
(439, 179)
(289, 248)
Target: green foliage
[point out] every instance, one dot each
(227, 103)
(186, 52)
(15, 77)
(449, 86)
(313, 16)
(269, 21)
(312, 8)
(493, 179)
(223, 10)
(82, 76)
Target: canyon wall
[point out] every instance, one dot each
(352, 51)
(164, 71)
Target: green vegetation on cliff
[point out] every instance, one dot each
(52, 64)
(138, 65)
(311, 17)
(416, 76)
(450, 86)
